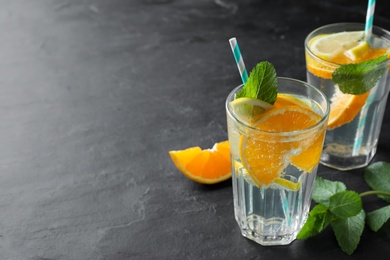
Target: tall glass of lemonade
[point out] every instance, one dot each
(275, 151)
(353, 72)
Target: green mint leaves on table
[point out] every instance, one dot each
(358, 78)
(342, 209)
(377, 177)
(261, 84)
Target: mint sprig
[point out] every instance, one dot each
(358, 78)
(342, 209)
(261, 84)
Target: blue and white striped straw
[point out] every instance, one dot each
(369, 20)
(362, 121)
(363, 113)
(239, 60)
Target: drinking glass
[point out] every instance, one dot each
(352, 144)
(274, 214)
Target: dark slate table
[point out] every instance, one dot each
(95, 93)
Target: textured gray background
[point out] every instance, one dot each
(93, 95)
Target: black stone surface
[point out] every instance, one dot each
(95, 93)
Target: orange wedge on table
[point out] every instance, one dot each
(266, 155)
(206, 166)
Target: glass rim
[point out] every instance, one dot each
(309, 36)
(317, 125)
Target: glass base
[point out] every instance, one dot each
(271, 215)
(272, 228)
(346, 161)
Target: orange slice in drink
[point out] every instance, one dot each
(330, 47)
(344, 108)
(338, 48)
(318, 69)
(372, 54)
(206, 166)
(265, 154)
(284, 100)
(310, 156)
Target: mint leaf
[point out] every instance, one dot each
(343, 210)
(324, 189)
(376, 218)
(261, 84)
(377, 176)
(318, 219)
(345, 204)
(358, 78)
(348, 231)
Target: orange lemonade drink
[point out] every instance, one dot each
(275, 151)
(353, 73)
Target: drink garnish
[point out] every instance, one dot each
(261, 84)
(257, 95)
(344, 108)
(329, 46)
(353, 65)
(359, 78)
(358, 51)
(267, 168)
(342, 209)
(265, 154)
(248, 109)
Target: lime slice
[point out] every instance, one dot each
(358, 51)
(247, 109)
(288, 184)
(328, 46)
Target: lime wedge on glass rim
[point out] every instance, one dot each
(247, 110)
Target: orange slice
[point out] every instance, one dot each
(310, 156)
(265, 155)
(373, 53)
(283, 100)
(206, 166)
(325, 68)
(344, 108)
(321, 70)
(327, 46)
(338, 48)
